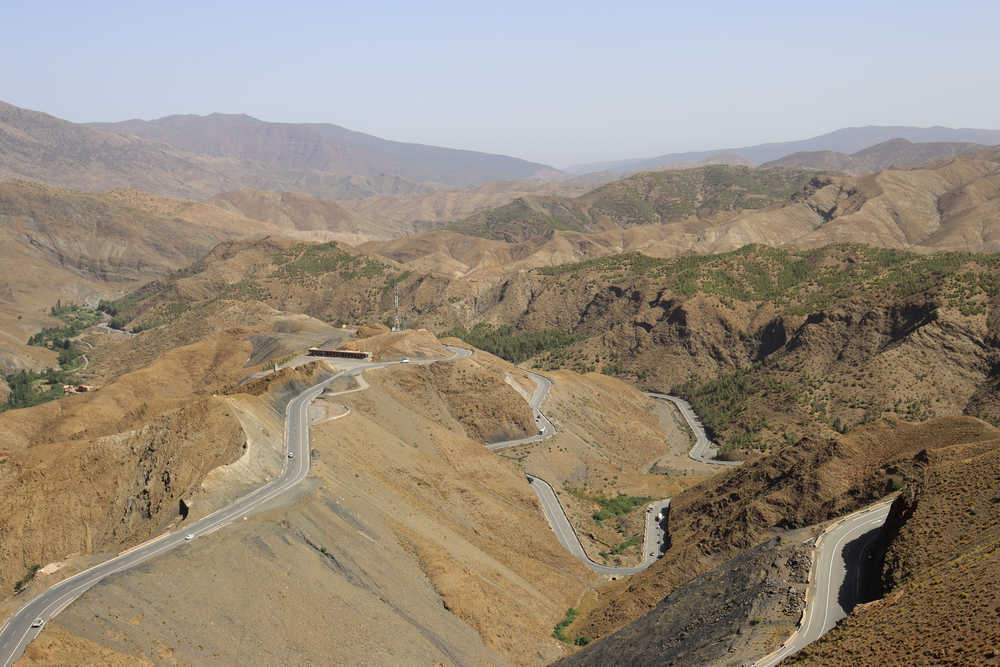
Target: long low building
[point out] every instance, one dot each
(343, 354)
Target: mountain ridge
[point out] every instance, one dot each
(39, 146)
(325, 147)
(892, 153)
(844, 140)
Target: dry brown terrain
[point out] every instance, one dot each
(200, 156)
(642, 453)
(941, 571)
(434, 546)
(944, 205)
(792, 488)
(140, 444)
(420, 211)
(78, 247)
(323, 149)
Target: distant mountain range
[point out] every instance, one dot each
(326, 148)
(847, 140)
(892, 153)
(200, 156)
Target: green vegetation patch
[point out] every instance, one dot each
(619, 549)
(721, 402)
(244, 290)
(515, 346)
(559, 632)
(611, 506)
(632, 262)
(311, 260)
(75, 319)
(26, 579)
(29, 388)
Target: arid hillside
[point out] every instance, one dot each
(943, 205)
(706, 594)
(291, 211)
(407, 524)
(76, 247)
(644, 199)
(422, 211)
(940, 574)
(810, 364)
(770, 345)
(140, 444)
(845, 140)
(200, 156)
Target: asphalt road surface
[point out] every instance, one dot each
(840, 554)
(652, 544)
(703, 450)
(18, 633)
(542, 387)
(833, 591)
(552, 508)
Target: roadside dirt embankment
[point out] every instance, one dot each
(98, 472)
(471, 393)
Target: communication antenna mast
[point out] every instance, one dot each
(395, 296)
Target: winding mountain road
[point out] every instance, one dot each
(547, 430)
(834, 588)
(834, 578)
(702, 450)
(652, 543)
(18, 632)
(832, 593)
(654, 535)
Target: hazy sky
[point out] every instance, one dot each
(557, 82)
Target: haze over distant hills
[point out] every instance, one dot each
(892, 153)
(846, 140)
(218, 153)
